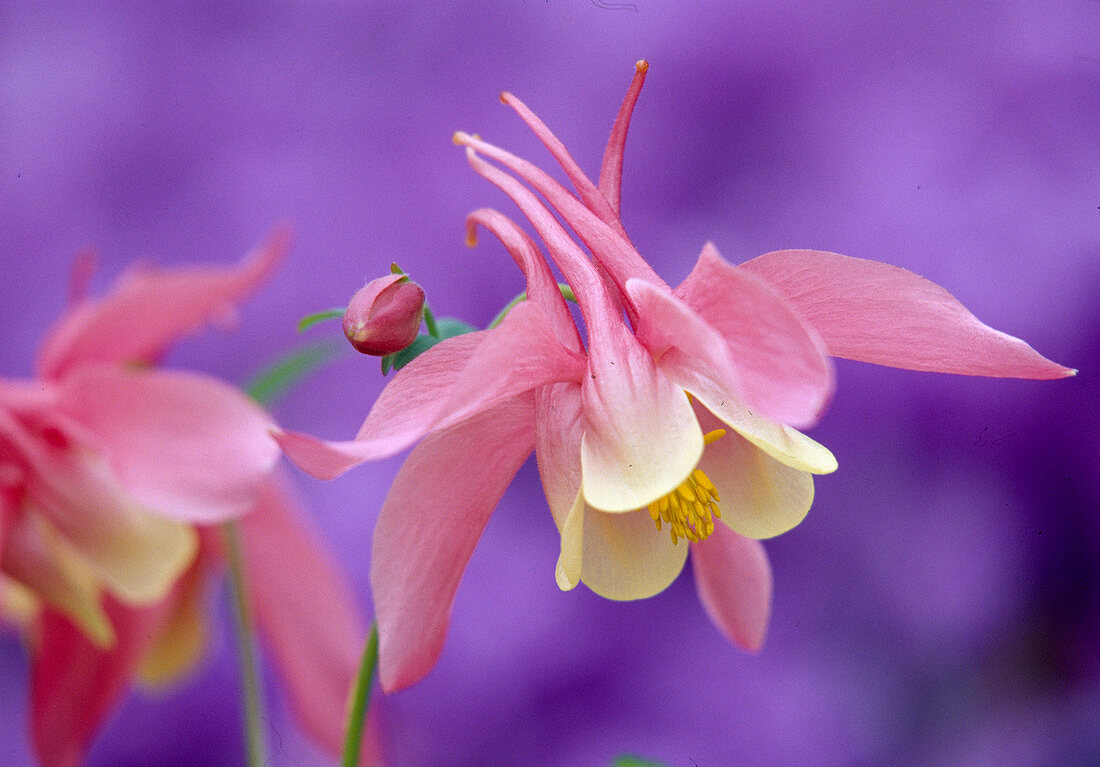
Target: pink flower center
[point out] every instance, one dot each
(690, 509)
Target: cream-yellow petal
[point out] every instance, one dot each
(38, 558)
(142, 563)
(760, 497)
(786, 445)
(18, 604)
(626, 557)
(641, 439)
(569, 568)
(137, 554)
(183, 636)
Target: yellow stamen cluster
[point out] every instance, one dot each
(690, 509)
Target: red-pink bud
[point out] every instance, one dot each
(384, 316)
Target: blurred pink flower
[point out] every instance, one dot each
(384, 315)
(110, 472)
(109, 461)
(620, 447)
(304, 610)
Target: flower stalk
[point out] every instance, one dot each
(360, 701)
(251, 691)
(566, 293)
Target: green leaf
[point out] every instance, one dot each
(627, 760)
(312, 319)
(276, 379)
(448, 327)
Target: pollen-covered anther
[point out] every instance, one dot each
(690, 509)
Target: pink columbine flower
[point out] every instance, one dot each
(110, 473)
(684, 419)
(384, 315)
(304, 609)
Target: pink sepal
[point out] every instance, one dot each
(783, 366)
(75, 685)
(306, 613)
(873, 312)
(428, 528)
(150, 309)
(734, 582)
(187, 445)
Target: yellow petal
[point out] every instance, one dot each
(569, 567)
(625, 557)
(786, 445)
(761, 497)
(181, 641)
(37, 557)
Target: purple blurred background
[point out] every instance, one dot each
(941, 603)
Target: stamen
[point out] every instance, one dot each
(713, 436)
(690, 509)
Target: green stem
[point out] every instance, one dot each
(566, 292)
(246, 651)
(504, 312)
(357, 717)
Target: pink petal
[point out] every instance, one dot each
(404, 412)
(80, 275)
(783, 365)
(542, 287)
(306, 612)
(734, 582)
(189, 446)
(596, 304)
(687, 349)
(874, 312)
(559, 424)
(75, 686)
(611, 170)
(27, 396)
(150, 309)
(641, 438)
(428, 527)
(9, 506)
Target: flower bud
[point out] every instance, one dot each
(384, 316)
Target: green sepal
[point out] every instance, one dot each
(448, 327)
